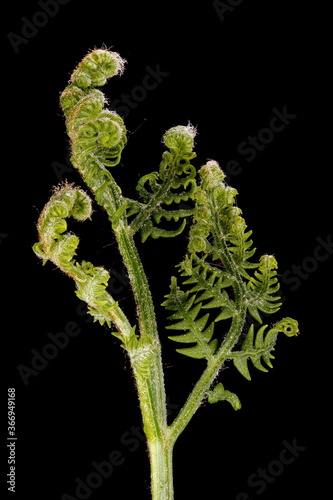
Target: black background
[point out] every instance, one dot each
(225, 77)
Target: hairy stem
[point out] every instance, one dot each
(146, 354)
(148, 371)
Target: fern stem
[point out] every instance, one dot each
(161, 470)
(145, 356)
(148, 372)
(139, 282)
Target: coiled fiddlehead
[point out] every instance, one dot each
(60, 248)
(97, 135)
(94, 130)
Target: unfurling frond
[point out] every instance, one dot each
(260, 346)
(218, 266)
(219, 285)
(217, 223)
(93, 129)
(172, 184)
(60, 248)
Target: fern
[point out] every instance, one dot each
(219, 233)
(208, 292)
(220, 288)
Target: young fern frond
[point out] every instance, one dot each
(218, 393)
(217, 287)
(60, 248)
(172, 184)
(97, 135)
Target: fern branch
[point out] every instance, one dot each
(173, 183)
(219, 234)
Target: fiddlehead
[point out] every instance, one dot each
(58, 246)
(97, 135)
(94, 130)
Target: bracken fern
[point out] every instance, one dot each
(220, 294)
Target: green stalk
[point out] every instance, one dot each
(145, 354)
(148, 372)
(204, 383)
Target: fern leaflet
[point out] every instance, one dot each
(261, 345)
(262, 287)
(187, 313)
(172, 184)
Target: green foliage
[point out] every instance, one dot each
(198, 333)
(208, 292)
(262, 287)
(218, 266)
